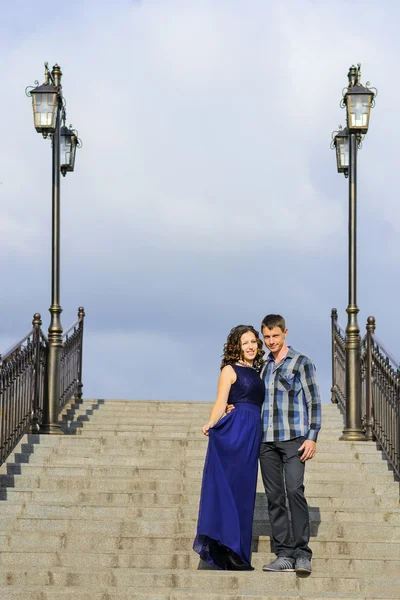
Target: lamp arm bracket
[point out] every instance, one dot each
(334, 134)
(29, 88)
(79, 142)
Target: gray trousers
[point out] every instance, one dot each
(282, 468)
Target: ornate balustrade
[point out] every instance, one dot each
(338, 389)
(71, 361)
(23, 381)
(380, 387)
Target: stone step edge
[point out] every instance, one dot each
(188, 552)
(313, 510)
(185, 538)
(312, 505)
(195, 572)
(109, 593)
(55, 592)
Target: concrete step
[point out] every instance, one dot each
(150, 580)
(218, 581)
(172, 434)
(179, 461)
(379, 531)
(26, 452)
(171, 419)
(180, 594)
(31, 441)
(163, 499)
(179, 453)
(180, 560)
(35, 443)
(314, 473)
(113, 593)
(169, 410)
(167, 404)
(78, 541)
(164, 427)
(97, 482)
(171, 514)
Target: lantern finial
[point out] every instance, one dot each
(354, 75)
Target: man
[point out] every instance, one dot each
(291, 420)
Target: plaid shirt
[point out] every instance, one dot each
(292, 406)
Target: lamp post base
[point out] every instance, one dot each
(51, 429)
(352, 435)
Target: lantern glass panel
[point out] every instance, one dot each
(67, 151)
(358, 111)
(44, 110)
(343, 154)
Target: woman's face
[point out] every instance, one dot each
(248, 344)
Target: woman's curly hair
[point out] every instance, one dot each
(233, 350)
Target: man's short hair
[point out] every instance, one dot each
(271, 321)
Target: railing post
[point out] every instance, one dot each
(35, 426)
(369, 421)
(334, 317)
(81, 316)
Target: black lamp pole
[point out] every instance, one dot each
(50, 422)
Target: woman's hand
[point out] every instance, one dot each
(205, 429)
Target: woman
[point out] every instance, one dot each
(224, 527)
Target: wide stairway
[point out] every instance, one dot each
(109, 513)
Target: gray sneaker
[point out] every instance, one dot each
(280, 564)
(303, 566)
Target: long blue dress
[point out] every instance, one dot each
(230, 475)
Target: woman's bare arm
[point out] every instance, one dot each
(226, 379)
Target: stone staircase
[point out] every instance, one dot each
(109, 513)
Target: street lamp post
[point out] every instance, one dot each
(358, 101)
(48, 105)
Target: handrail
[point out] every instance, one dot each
(388, 354)
(72, 327)
(43, 337)
(16, 346)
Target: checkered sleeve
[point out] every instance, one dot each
(310, 387)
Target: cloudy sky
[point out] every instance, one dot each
(205, 194)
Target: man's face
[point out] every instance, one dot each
(274, 338)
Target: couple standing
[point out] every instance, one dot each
(284, 390)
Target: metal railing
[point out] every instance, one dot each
(380, 388)
(71, 361)
(23, 381)
(338, 389)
